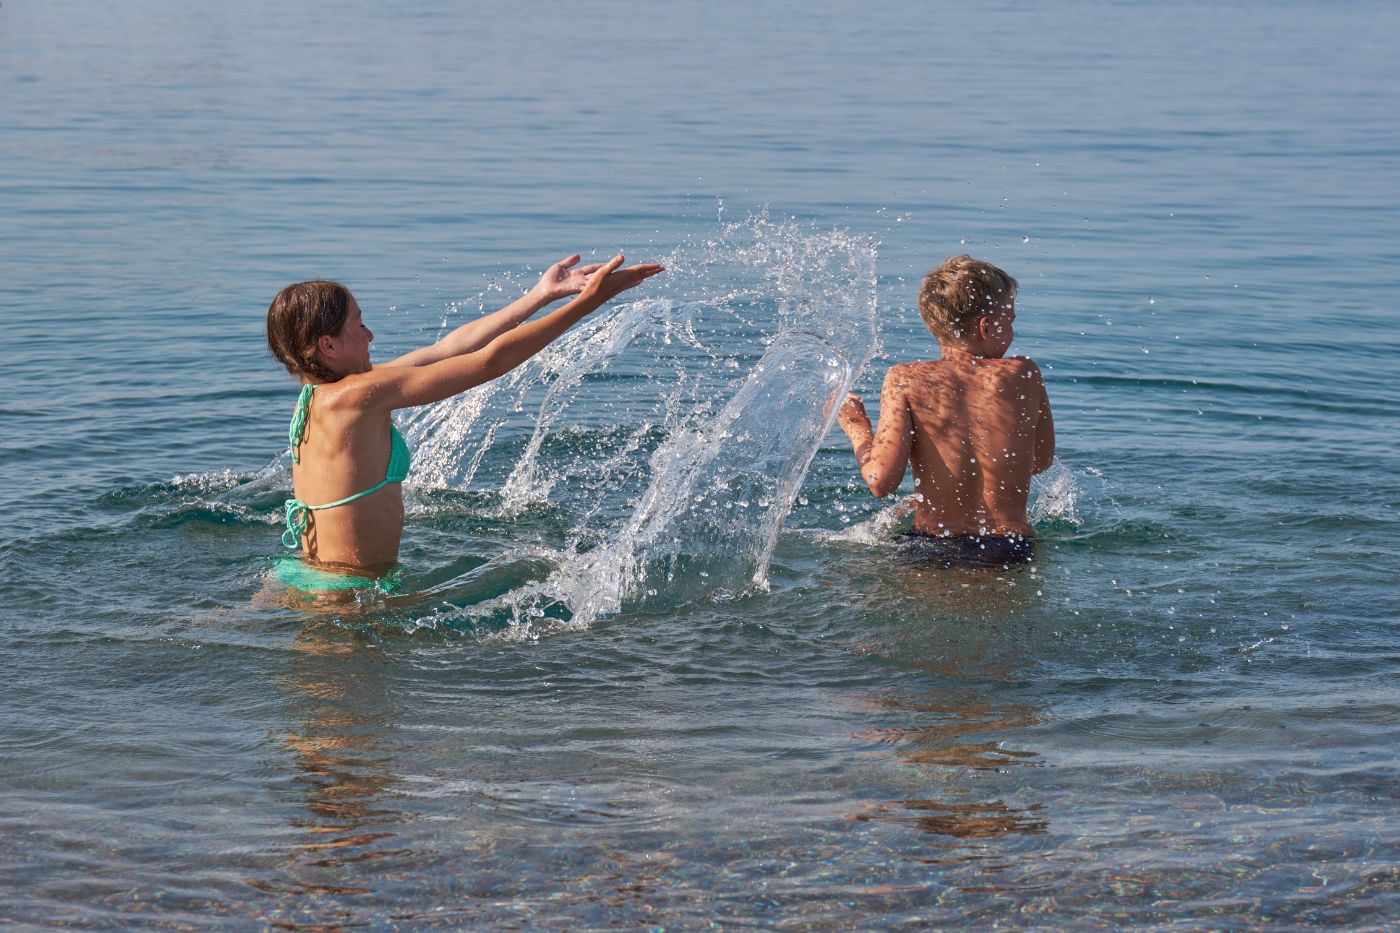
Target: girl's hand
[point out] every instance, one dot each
(611, 280)
(562, 279)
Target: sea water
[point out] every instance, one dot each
(656, 666)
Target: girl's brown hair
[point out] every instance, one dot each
(961, 290)
(301, 315)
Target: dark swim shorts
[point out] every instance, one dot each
(975, 550)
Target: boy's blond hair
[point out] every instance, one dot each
(962, 289)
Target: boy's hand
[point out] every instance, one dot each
(561, 279)
(851, 414)
(611, 280)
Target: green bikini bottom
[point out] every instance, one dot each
(299, 575)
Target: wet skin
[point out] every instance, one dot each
(975, 426)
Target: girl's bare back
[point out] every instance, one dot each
(346, 450)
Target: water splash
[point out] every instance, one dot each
(576, 360)
(676, 489)
(709, 520)
(1065, 495)
(877, 530)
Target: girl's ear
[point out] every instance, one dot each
(325, 344)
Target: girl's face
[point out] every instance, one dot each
(356, 339)
(349, 350)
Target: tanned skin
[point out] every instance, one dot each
(975, 425)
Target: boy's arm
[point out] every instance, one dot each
(1044, 424)
(883, 454)
(558, 281)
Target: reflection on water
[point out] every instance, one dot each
(344, 768)
(963, 721)
(951, 734)
(965, 820)
(939, 743)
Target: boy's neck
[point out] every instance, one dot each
(955, 351)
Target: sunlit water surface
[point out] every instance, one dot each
(640, 677)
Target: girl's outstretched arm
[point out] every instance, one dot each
(405, 386)
(559, 281)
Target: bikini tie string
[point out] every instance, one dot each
(298, 425)
(298, 518)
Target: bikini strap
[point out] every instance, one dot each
(299, 513)
(298, 517)
(298, 425)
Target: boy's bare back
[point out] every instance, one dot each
(974, 425)
(971, 429)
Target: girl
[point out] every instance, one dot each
(348, 460)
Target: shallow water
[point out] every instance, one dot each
(1184, 715)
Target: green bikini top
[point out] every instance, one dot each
(298, 512)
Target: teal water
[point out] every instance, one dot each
(1185, 716)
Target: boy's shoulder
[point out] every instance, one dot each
(908, 370)
(927, 370)
(1016, 374)
(1018, 365)
(1008, 377)
(909, 375)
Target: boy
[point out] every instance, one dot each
(975, 424)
